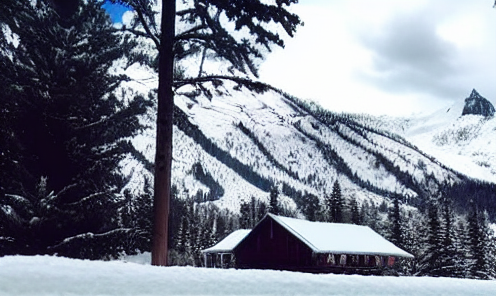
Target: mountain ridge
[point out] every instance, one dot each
(248, 142)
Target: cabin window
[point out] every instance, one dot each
(361, 260)
(342, 260)
(330, 259)
(354, 260)
(368, 261)
(378, 262)
(391, 261)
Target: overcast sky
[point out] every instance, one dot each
(388, 56)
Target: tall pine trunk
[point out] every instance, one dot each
(163, 154)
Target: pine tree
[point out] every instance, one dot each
(462, 245)
(245, 216)
(310, 207)
(335, 204)
(274, 203)
(413, 235)
(73, 131)
(206, 35)
(370, 214)
(429, 260)
(449, 259)
(356, 216)
(396, 224)
(479, 239)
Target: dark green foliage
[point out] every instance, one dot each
(480, 240)
(266, 152)
(370, 215)
(251, 213)
(216, 190)
(414, 231)
(136, 214)
(481, 193)
(443, 247)
(208, 35)
(430, 264)
(395, 220)
(342, 167)
(245, 219)
(310, 207)
(194, 227)
(274, 203)
(453, 249)
(71, 130)
(334, 204)
(356, 216)
(246, 172)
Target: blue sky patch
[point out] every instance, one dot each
(115, 11)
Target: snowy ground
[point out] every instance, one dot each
(43, 275)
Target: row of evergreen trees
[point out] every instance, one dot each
(65, 129)
(443, 242)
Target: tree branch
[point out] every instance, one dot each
(147, 28)
(190, 31)
(252, 85)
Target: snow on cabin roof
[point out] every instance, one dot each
(340, 238)
(229, 242)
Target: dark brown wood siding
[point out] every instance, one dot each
(271, 246)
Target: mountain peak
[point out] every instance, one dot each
(478, 105)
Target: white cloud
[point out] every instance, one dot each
(127, 17)
(394, 57)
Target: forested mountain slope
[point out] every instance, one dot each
(238, 144)
(460, 138)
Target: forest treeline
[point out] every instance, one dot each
(66, 126)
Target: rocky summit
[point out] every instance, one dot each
(477, 105)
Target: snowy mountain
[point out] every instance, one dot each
(237, 144)
(462, 137)
(475, 104)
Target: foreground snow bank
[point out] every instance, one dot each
(44, 275)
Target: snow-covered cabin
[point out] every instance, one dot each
(222, 254)
(293, 244)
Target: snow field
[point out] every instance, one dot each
(50, 276)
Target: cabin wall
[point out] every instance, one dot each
(270, 246)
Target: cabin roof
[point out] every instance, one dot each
(229, 242)
(340, 238)
(321, 237)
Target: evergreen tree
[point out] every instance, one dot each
(479, 238)
(262, 210)
(370, 214)
(450, 258)
(413, 235)
(310, 207)
(73, 131)
(356, 216)
(251, 213)
(136, 214)
(335, 204)
(430, 264)
(205, 36)
(274, 204)
(462, 245)
(245, 216)
(396, 224)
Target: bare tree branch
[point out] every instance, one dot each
(253, 85)
(147, 28)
